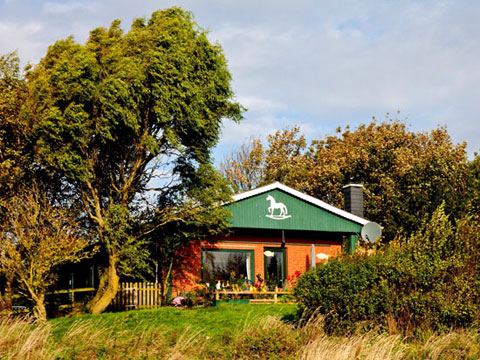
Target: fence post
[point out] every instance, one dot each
(129, 295)
(135, 296)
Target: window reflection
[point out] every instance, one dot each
(274, 268)
(219, 265)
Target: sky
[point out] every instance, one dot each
(316, 64)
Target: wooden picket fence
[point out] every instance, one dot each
(136, 295)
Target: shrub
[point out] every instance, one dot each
(347, 291)
(430, 281)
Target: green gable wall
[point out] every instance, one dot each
(251, 213)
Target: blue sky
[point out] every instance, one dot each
(316, 64)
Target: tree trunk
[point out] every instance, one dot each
(6, 297)
(107, 289)
(164, 285)
(39, 311)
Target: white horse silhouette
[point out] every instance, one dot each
(274, 205)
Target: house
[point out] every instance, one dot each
(276, 231)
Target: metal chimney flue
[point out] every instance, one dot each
(353, 199)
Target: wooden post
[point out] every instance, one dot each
(140, 293)
(275, 295)
(129, 295)
(135, 296)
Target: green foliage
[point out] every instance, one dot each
(347, 291)
(474, 184)
(406, 175)
(111, 115)
(191, 215)
(160, 88)
(430, 281)
(14, 131)
(121, 240)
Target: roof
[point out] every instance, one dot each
(307, 198)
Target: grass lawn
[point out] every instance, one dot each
(212, 321)
(232, 332)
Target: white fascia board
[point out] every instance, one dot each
(305, 197)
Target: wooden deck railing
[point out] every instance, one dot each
(71, 293)
(253, 294)
(71, 300)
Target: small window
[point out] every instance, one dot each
(220, 265)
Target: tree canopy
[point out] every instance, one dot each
(406, 175)
(14, 131)
(110, 115)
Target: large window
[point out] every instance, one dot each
(221, 265)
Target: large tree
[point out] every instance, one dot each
(15, 154)
(406, 174)
(112, 114)
(15, 150)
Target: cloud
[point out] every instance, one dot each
(24, 38)
(259, 105)
(64, 8)
(325, 64)
(419, 58)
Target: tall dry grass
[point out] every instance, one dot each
(367, 347)
(20, 339)
(256, 338)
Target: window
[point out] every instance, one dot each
(275, 266)
(219, 265)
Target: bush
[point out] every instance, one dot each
(430, 281)
(347, 291)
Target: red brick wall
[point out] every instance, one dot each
(298, 255)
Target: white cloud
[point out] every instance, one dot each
(237, 133)
(259, 105)
(319, 63)
(63, 8)
(24, 38)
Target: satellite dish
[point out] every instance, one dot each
(371, 231)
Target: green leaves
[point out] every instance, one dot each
(106, 115)
(406, 175)
(15, 156)
(161, 86)
(430, 281)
